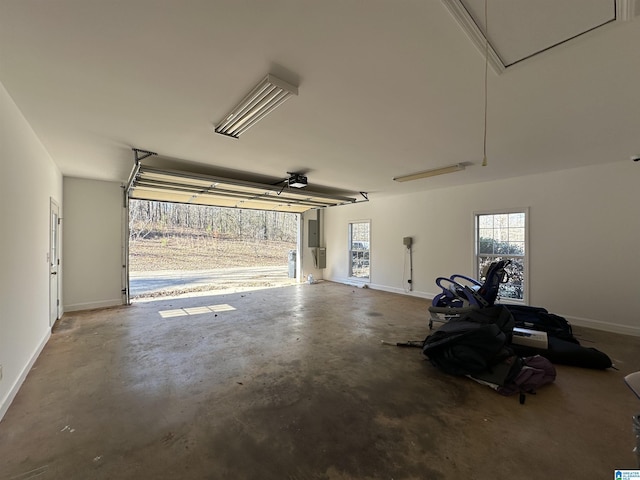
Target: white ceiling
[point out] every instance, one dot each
(386, 88)
(519, 29)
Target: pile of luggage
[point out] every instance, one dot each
(509, 348)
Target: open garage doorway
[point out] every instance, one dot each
(177, 249)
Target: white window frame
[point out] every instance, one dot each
(365, 252)
(525, 257)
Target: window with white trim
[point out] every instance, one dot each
(503, 236)
(359, 241)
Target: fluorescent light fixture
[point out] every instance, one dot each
(261, 101)
(430, 173)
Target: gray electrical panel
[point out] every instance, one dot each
(322, 257)
(314, 240)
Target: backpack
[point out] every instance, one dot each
(524, 375)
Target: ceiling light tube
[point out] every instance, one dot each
(244, 109)
(259, 92)
(262, 100)
(430, 173)
(261, 111)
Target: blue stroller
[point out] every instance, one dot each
(461, 294)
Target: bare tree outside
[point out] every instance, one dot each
(180, 237)
(501, 236)
(359, 233)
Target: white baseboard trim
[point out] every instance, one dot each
(375, 286)
(401, 291)
(350, 281)
(92, 305)
(13, 391)
(605, 326)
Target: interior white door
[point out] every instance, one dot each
(54, 263)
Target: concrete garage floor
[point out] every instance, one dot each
(292, 383)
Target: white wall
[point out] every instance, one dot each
(28, 181)
(92, 244)
(584, 240)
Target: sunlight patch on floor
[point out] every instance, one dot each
(181, 312)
